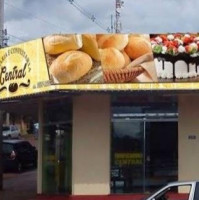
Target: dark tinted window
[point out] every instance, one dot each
(23, 146)
(7, 148)
(6, 128)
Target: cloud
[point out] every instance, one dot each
(31, 19)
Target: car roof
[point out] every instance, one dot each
(4, 125)
(183, 182)
(13, 141)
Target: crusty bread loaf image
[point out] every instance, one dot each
(118, 41)
(90, 46)
(112, 59)
(126, 58)
(137, 46)
(70, 66)
(56, 44)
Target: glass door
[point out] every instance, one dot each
(127, 156)
(57, 148)
(144, 154)
(161, 153)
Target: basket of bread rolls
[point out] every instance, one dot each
(101, 58)
(125, 57)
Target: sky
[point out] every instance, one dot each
(31, 19)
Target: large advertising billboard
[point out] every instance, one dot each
(100, 62)
(23, 70)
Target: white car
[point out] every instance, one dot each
(188, 190)
(11, 131)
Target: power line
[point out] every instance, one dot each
(18, 38)
(88, 14)
(36, 17)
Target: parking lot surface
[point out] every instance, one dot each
(19, 186)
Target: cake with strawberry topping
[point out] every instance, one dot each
(176, 56)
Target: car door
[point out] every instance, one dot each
(15, 132)
(25, 153)
(12, 131)
(7, 149)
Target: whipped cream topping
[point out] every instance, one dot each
(194, 55)
(187, 35)
(164, 49)
(170, 37)
(194, 45)
(181, 49)
(196, 39)
(180, 42)
(158, 39)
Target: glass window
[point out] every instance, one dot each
(175, 192)
(12, 128)
(57, 146)
(7, 148)
(22, 147)
(6, 128)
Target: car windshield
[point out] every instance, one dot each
(7, 148)
(6, 128)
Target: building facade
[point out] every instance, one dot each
(109, 125)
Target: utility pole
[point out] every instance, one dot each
(3, 32)
(112, 24)
(118, 24)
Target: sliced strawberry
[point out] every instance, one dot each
(166, 43)
(187, 40)
(187, 48)
(172, 50)
(164, 38)
(174, 43)
(171, 43)
(178, 35)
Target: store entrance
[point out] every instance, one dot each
(57, 147)
(161, 154)
(144, 154)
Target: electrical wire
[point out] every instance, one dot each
(36, 17)
(18, 38)
(75, 4)
(87, 14)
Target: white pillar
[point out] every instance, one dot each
(188, 130)
(91, 145)
(1, 21)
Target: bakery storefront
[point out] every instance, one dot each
(117, 112)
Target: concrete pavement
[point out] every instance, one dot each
(19, 186)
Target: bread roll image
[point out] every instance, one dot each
(111, 59)
(56, 44)
(70, 66)
(90, 46)
(98, 36)
(118, 41)
(126, 58)
(137, 47)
